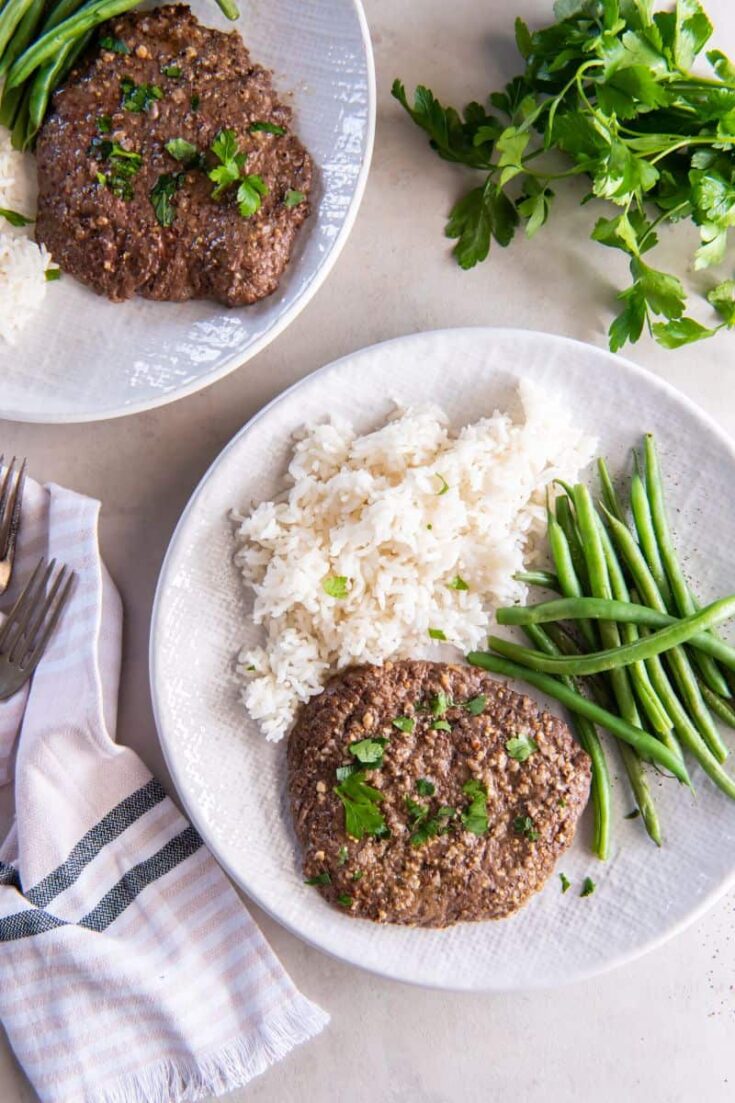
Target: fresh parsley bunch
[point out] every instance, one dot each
(609, 87)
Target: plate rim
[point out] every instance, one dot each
(395, 974)
(235, 361)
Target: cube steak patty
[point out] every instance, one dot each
(457, 876)
(117, 246)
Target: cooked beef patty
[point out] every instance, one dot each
(178, 80)
(453, 875)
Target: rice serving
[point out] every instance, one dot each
(23, 264)
(387, 544)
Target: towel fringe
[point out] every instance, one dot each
(186, 1080)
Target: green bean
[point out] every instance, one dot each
(229, 9)
(48, 45)
(622, 612)
(565, 517)
(46, 80)
(639, 677)
(647, 745)
(18, 135)
(618, 658)
(590, 531)
(601, 789)
(717, 704)
(609, 493)
(10, 18)
(679, 586)
(60, 12)
(647, 537)
(566, 571)
(547, 580)
(677, 657)
(9, 106)
(24, 33)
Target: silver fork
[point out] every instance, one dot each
(30, 623)
(11, 500)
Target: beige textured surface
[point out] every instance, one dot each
(660, 1030)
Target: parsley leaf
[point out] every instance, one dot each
(441, 726)
(361, 804)
(139, 97)
(173, 71)
(249, 195)
(474, 817)
(267, 128)
(524, 825)
(722, 298)
(335, 585)
(293, 198)
(52, 274)
(115, 45)
(14, 218)
(521, 747)
(343, 772)
(436, 634)
(194, 102)
(588, 887)
(342, 855)
(439, 704)
(369, 752)
(476, 705)
(228, 171)
(457, 583)
(444, 485)
(424, 787)
(181, 150)
(345, 900)
(162, 193)
(565, 882)
(423, 825)
(320, 879)
(404, 723)
(104, 124)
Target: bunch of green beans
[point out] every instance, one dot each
(40, 40)
(626, 646)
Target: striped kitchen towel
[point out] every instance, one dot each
(129, 968)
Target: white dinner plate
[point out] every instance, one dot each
(83, 358)
(233, 783)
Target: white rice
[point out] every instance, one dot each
(23, 264)
(369, 509)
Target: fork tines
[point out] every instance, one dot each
(11, 498)
(30, 623)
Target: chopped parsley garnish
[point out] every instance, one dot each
(195, 101)
(342, 855)
(444, 484)
(369, 752)
(565, 882)
(161, 195)
(476, 705)
(320, 879)
(14, 218)
(436, 634)
(561, 803)
(423, 825)
(588, 887)
(441, 726)
(404, 723)
(524, 825)
(181, 150)
(52, 274)
(335, 585)
(104, 124)
(361, 804)
(229, 171)
(425, 788)
(457, 583)
(172, 71)
(267, 128)
(345, 771)
(475, 817)
(139, 97)
(439, 704)
(521, 747)
(125, 164)
(293, 198)
(249, 195)
(357, 875)
(633, 815)
(345, 900)
(116, 45)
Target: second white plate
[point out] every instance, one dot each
(233, 783)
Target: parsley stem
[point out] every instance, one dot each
(661, 218)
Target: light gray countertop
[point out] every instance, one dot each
(661, 1029)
